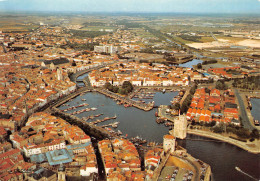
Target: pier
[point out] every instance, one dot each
(130, 102)
(92, 129)
(102, 120)
(238, 169)
(83, 110)
(114, 125)
(75, 107)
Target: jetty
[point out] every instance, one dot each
(250, 176)
(75, 107)
(102, 120)
(83, 110)
(126, 101)
(113, 125)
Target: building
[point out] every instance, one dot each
(169, 143)
(107, 49)
(61, 173)
(180, 127)
(42, 174)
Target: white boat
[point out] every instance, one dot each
(93, 108)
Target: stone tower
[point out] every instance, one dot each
(61, 173)
(59, 74)
(169, 143)
(180, 127)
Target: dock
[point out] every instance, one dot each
(75, 107)
(83, 110)
(128, 102)
(102, 120)
(114, 125)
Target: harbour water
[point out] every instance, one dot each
(222, 157)
(255, 108)
(133, 122)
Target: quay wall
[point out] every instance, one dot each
(253, 147)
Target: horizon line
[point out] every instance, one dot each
(130, 12)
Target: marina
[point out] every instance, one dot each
(135, 122)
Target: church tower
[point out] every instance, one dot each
(61, 173)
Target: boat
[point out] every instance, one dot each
(238, 169)
(83, 99)
(93, 108)
(164, 90)
(98, 115)
(119, 132)
(256, 122)
(156, 114)
(114, 117)
(114, 125)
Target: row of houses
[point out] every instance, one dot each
(213, 105)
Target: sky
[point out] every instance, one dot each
(175, 6)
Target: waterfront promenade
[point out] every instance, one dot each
(252, 147)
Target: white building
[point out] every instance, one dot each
(106, 49)
(87, 169)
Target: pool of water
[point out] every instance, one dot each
(191, 63)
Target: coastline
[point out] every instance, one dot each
(254, 148)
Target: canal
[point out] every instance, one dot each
(222, 157)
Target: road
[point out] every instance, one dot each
(245, 121)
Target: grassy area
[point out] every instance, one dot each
(202, 40)
(206, 39)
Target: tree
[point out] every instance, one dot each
(127, 86)
(110, 87)
(122, 91)
(255, 134)
(221, 85)
(107, 85)
(243, 133)
(219, 128)
(73, 63)
(176, 106)
(199, 66)
(207, 90)
(115, 89)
